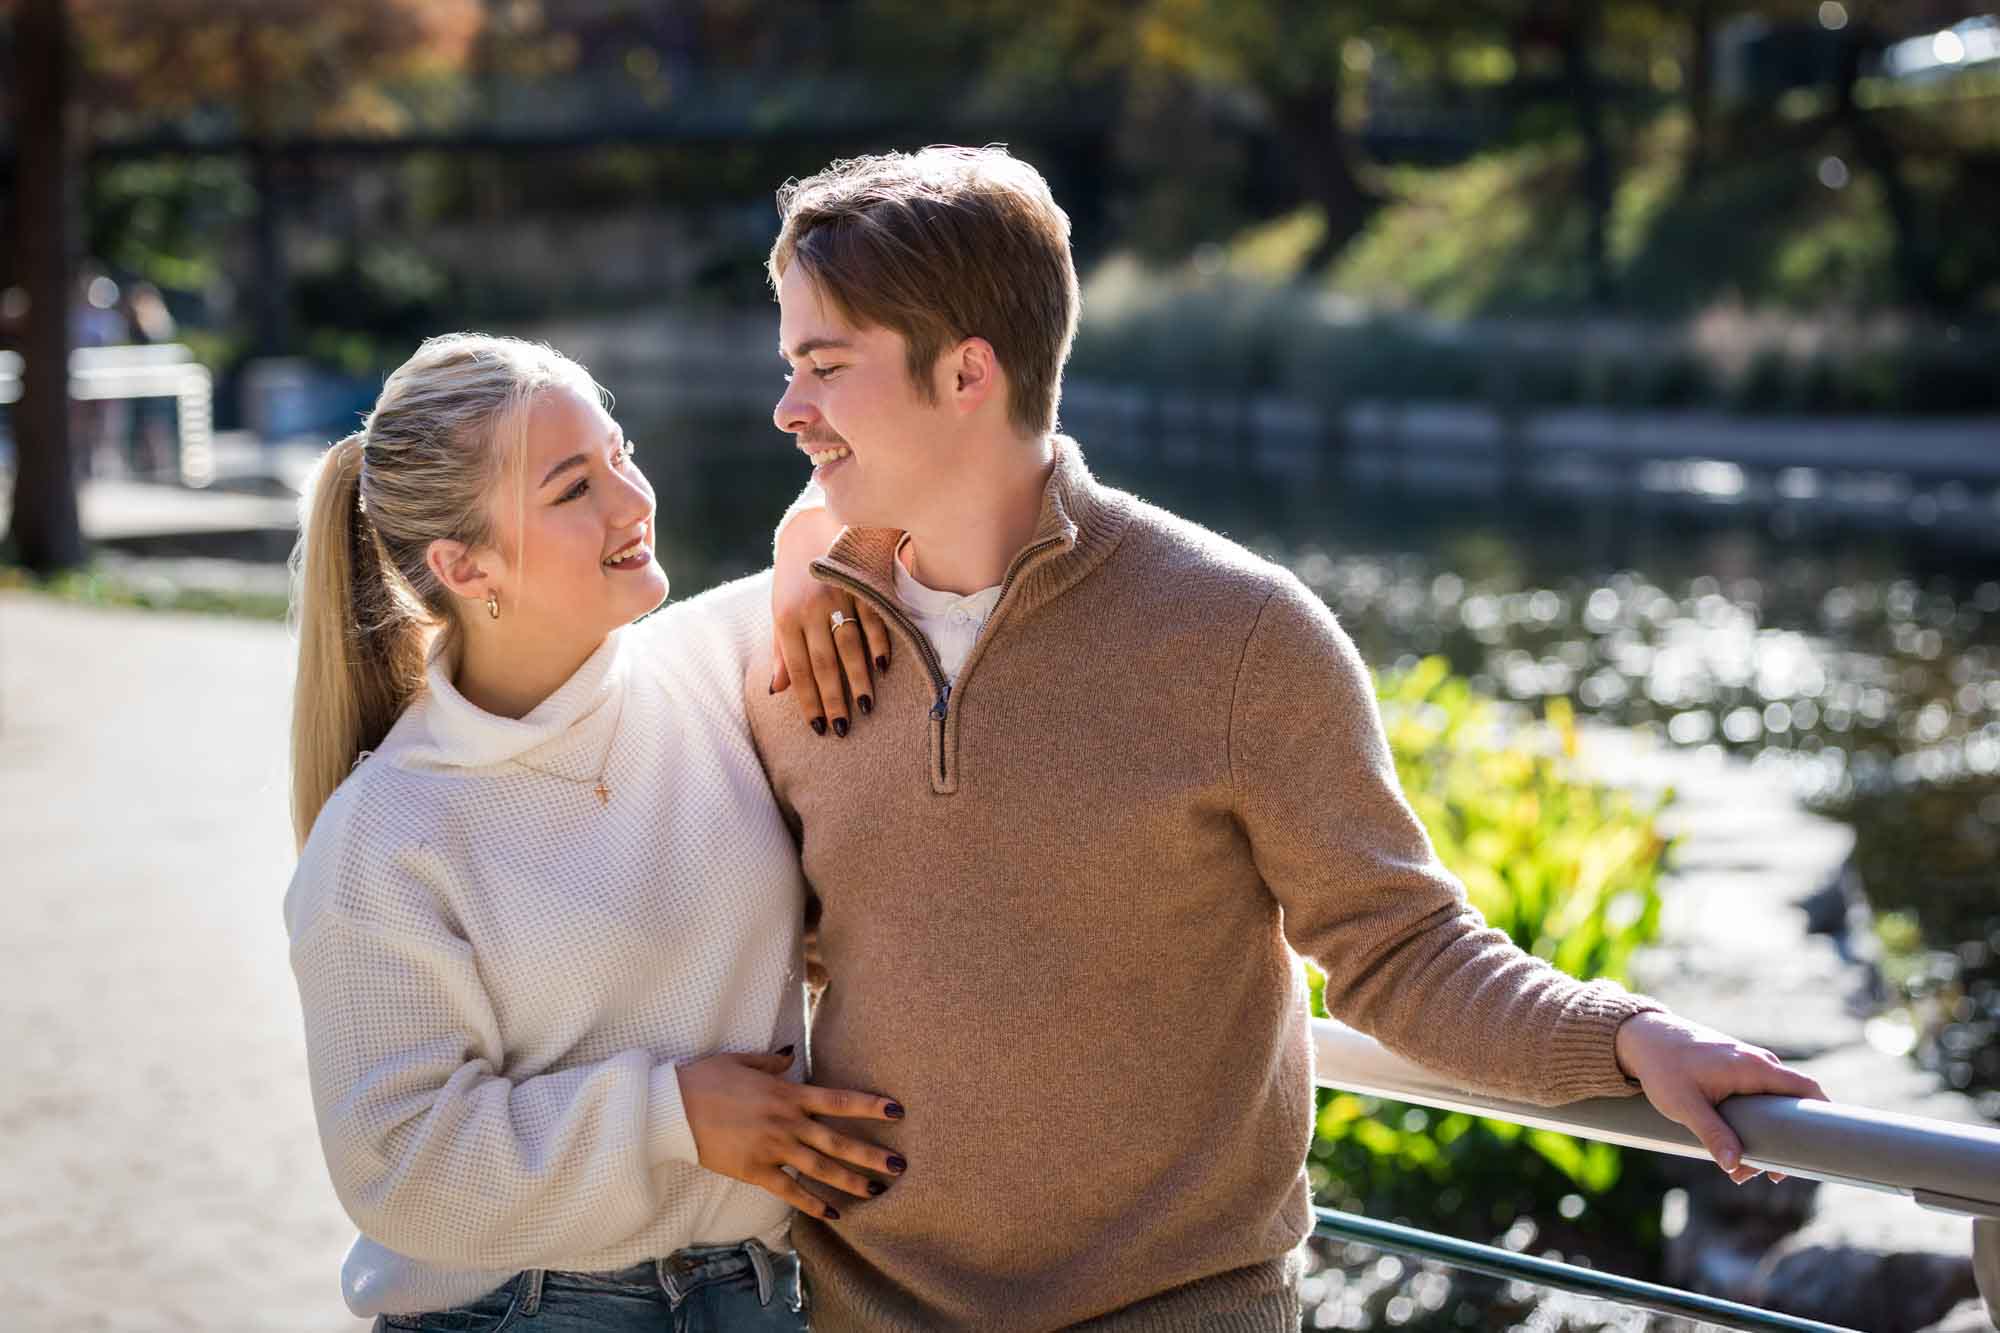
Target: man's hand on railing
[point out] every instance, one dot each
(1685, 1069)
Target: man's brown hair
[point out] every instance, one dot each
(941, 245)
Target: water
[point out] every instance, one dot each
(1860, 666)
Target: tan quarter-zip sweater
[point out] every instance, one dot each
(1059, 903)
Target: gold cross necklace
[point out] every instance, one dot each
(601, 790)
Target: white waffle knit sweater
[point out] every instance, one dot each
(498, 974)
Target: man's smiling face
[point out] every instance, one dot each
(882, 451)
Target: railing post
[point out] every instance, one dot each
(194, 413)
(1986, 1262)
(1595, 1283)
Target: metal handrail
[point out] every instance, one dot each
(1953, 1168)
(141, 370)
(1949, 1167)
(1592, 1282)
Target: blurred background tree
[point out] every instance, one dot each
(336, 180)
(278, 66)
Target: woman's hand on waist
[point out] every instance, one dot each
(750, 1122)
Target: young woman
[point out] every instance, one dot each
(546, 918)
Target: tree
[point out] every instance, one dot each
(1700, 87)
(46, 531)
(1925, 178)
(280, 64)
(1292, 55)
(1305, 68)
(1286, 56)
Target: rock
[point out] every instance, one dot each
(1870, 1261)
(1965, 1317)
(1837, 907)
(1899, 1292)
(1729, 1227)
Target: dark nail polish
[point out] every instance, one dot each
(897, 1164)
(819, 726)
(867, 704)
(882, 663)
(774, 689)
(894, 1110)
(787, 1051)
(833, 1214)
(875, 1188)
(840, 727)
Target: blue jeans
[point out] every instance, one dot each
(709, 1289)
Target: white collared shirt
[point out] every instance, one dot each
(951, 622)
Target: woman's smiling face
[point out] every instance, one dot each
(574, 539)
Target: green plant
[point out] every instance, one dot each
(97, 586)
(1570, 870)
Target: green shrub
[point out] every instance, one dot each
(1570, 870)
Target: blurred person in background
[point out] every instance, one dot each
(1136, 768)
(157, 424)
(546, 918)
(97, 425)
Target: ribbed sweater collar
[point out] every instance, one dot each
(566, 731)
(1080, 524)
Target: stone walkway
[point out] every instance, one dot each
(161, 1169)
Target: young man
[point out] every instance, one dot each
(1121, 770)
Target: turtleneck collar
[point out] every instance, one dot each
(1080, 524)
(570, 725)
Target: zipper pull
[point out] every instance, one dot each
(943, 704)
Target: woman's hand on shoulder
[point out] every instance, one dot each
(750, 1123)
(823, 666)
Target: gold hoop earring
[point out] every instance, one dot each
(493, 604)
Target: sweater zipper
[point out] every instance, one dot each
(940, 683)
(941, 705)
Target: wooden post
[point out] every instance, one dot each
(47, 533)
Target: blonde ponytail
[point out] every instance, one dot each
(361, 651)
(365, 604)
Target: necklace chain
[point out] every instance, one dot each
(600, 790)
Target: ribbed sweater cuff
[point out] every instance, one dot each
(669, 1137)
(1584, 1051)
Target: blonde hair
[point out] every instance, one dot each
(940, 245)
(365, 605)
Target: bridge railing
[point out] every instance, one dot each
(1948, 1167)
(156, 370)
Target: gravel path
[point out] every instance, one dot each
(160, 1169)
